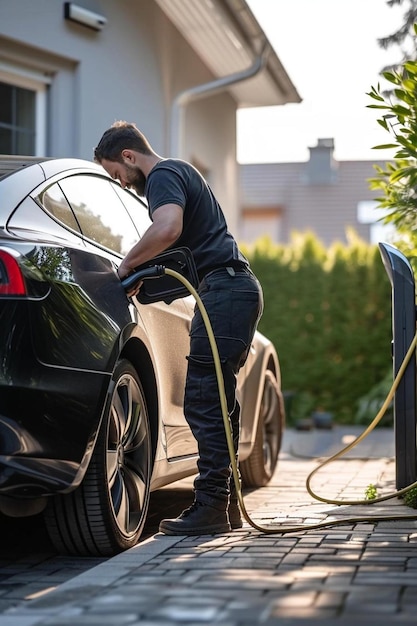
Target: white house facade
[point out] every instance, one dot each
(178, 68)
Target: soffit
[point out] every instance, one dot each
(227, 37)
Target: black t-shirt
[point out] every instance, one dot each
(173, 181)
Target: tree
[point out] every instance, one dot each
(404, 36)
(398, 180)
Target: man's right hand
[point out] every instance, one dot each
(123, 274)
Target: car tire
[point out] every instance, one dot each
(106, 513)
(258, 468)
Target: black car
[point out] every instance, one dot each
(92, 382)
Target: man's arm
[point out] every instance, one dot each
(162, 233)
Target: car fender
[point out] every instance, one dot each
(262, 357)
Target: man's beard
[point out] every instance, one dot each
(135, 178)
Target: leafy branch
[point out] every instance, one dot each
(397, 181)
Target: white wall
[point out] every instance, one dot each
(131, 70)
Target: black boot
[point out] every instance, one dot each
(199, 519)
(235, 518)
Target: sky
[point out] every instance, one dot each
(329, 50)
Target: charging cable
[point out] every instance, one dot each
(157, 271)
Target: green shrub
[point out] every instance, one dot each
(410, 498)
(328, 313)
(397, 181)
(368, 406)
(371, 492)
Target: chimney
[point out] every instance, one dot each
(321, 169)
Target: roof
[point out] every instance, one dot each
(227, 37)
(280, 184)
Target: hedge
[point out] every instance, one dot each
(328, 313)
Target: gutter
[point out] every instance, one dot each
(203, 91)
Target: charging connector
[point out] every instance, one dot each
(155, 271)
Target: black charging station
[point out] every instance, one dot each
(402, 282)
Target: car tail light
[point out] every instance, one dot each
(12, 282)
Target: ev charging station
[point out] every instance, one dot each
(402, 282)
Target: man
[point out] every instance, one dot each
(184, 212)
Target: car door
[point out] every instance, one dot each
(114, 218)
(169, 325)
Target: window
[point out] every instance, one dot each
(22, 111)
(100, 213)
(55, 202)
(368, 212)
(138, 210)
(17, 120)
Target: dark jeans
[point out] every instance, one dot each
(234, 304)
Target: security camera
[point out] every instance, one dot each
(83, 16)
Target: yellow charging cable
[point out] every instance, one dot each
(362, 436)
(281, 529)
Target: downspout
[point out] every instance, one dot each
(202, 91)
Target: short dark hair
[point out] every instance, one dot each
(118, 137)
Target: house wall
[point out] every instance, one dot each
(131, 70)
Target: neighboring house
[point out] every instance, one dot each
(322, 195)
(178, 68)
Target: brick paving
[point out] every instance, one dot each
(353, 573)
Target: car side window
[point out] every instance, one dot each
(100, 213)
(56, 204)
(138, 210)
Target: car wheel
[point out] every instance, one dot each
(106, 514)
(258, 468)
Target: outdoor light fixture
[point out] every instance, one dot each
(88, 18)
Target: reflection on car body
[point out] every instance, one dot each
(91, 382)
